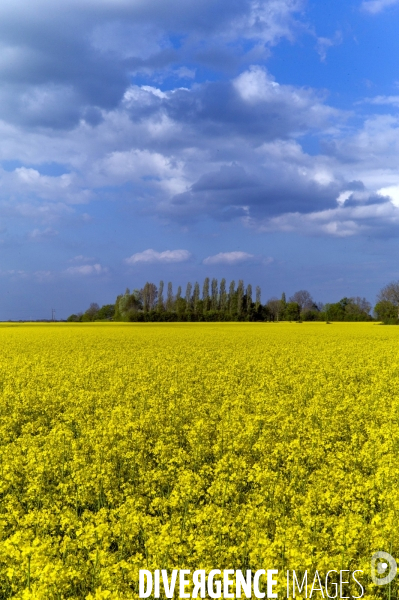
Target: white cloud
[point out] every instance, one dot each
(376, 6)
(324, 43)
(81, 259)
(256, 85)
(392, 191)
(85, 270)
(152, 256)
(343, 196)
(38, 234)
(341, 222)
(228, 258)
(381, 100)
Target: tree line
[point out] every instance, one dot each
(219, 301)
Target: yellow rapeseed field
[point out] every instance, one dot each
(243, 446)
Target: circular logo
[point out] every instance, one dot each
(385, 566)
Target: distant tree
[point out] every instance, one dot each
(189, 300)
(292, 311)
(181, 307)
(223, 296)
(205, 293)
(303, 299)
(390, 293)
(283, 306)
(128, 305)
(188, 292)
(358, 305)
(249, 299)
(232, 300)
(92, 310)
(310, 315)
(149, 294)
(169, 298)
(160, 304)
(257, 298)
(178, 293)
(274, 306)
(348, 309)
(214, 294)
(196, 297)
(106, 312)
(388, 302)
(240, 296)
(386, 312)
(74, 318)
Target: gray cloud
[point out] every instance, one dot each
(233, 192)
(58, 61)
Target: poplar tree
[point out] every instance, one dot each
(249, 298)
(232, 288)
(188, 293)
(240, 296)
(214, 294)
(223, 296)
(146, 297)
(160, 296)
(180, 305)
(258, 297)
(196, 296)
(205, 293)
(169, 297)
(188, 299)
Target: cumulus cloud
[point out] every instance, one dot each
(152, 256)
(376, 217)
(57, 64)
(86, 270)
(228, 258)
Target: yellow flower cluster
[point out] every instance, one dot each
(198, 446)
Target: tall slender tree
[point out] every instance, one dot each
(188, 293)
(196, 296)
(240, 296)
(214, 294)
(249, 299)
(169, 297)
(146, 297)
(205, 293)
(258, 297)
(178, 293)
(160, 305)
(223, 296)
(231, 299)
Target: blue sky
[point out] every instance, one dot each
(159, 139)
